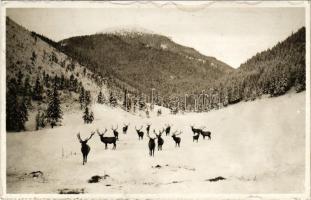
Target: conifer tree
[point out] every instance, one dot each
(112, 100)
(88, 116)
(23, 114)
(40, 120)
(87, 98)
(54, 112)
(100, 98)
(27, 91)
(16, 110)
(37, 91)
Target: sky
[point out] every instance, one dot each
(230, 34)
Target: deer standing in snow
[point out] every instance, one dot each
(148, 128)
(160, 139)
(125, 127)
(195, 130)
(107, 140)
(167, 129)
(176, 139)
(85, 149)
(140, 133)
(151, 145)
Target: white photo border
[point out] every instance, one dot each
(186, 5)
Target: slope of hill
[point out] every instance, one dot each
(264, 155)
(146, 61)
(273, 72)
(32, 56)
(27, 53)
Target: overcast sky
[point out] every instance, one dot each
(231, 35)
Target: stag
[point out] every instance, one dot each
(115, 132)
(195, 130)
(167, 129)
(176, 139)
(196, 137)
(160, 139)
(206, 133)
(140, 133)
(85, 149)
(125, 127)
(151, 145)
(107, 140)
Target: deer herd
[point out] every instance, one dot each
(85, 148)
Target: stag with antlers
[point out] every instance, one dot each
(160, 139)
(195, 130)
(151, 145)
(176, 139)
(140, 133)
(125, 127)
(85, 149)
(107, 140)
(115, 132)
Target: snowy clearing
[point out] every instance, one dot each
(256, 147)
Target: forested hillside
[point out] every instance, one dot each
(146, 61)
(272, 72)
(43, 80)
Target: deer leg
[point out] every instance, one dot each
(106, 146)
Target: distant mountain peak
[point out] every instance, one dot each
(128, 30)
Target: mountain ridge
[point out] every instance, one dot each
(125, 56)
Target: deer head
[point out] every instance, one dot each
(113, 128)
(138, 129)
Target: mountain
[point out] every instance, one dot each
(145, 61)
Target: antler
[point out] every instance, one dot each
(155, 132)
(180, 132)
(100, 134)
(150, 137)
(92, 133)
(79, 137)
(174, 133)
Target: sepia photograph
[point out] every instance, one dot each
(155, 99)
